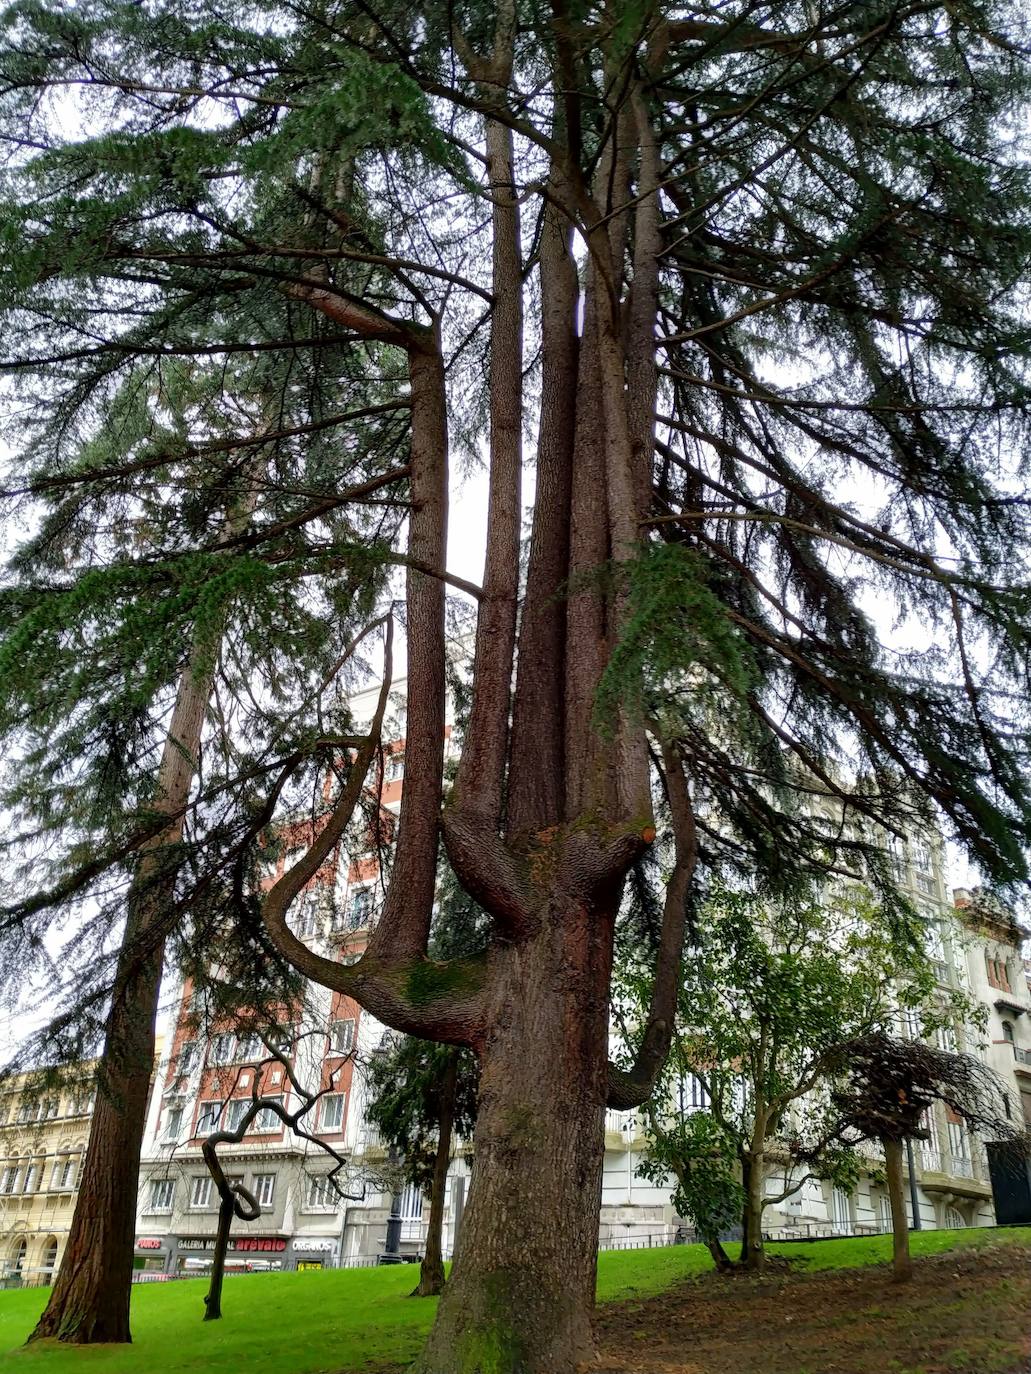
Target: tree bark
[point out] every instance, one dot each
(213, 1298)
(720, 1257)
(521, 1291)
(431, 1272)
(89, 1302)
(902, 1264)
(753, 1251)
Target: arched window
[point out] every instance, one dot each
(954, 1219)
(49, 1258)
(1007, 1031)
(19, 1256)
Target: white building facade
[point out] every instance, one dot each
(206, 1079)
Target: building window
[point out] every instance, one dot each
(998, 973)
(264, 1189)
(693, 1095)
(162, 1191)
(222, 1047)
(82, 1103)
(411, 1212)
(235, 1111)
(321, 1193)
(946, 1038)
(173, 1123)
(9, 1179)
(187, 1056)
(884, 1212)
(959, 1147)
(200, 1191)
(207, 1118)
(267, 1119)
(32, 1178)
(306, 918)
(341, 1037)
(64, 1172)
(19, 1256)
(50, 1257)
(1007, 1031)
(331, 1112)
(360, 910)
(841, 1210)
(954, 1219)
(250, 1047)
(395, 767)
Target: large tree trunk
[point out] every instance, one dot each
(90, 1301)
(431, 1272)
(902, 1264)
(753, 1250)
(521, 1291)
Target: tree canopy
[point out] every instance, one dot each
(751, 281)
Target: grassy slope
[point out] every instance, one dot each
(348, 1319)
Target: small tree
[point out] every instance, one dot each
(700, 1156)
(889, 1087)
(234, 1199)
(770, 994)
(423, 1095)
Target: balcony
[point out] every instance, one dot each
(1022, 1059)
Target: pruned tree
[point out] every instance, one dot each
(886, 1092)
(751, 279)
(234, 1199)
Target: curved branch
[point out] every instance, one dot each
(631, 1087)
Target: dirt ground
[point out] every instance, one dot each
(968, 1312)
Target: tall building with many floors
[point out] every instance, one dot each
(206, 1080)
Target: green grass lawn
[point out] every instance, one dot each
(351, 1319)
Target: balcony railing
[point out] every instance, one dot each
(1022, 1056)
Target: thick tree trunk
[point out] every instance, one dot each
(521, 1291)
(753, 1251)
(213, 1299)
(902, 1264)
(431, 1272)
(90, 1301)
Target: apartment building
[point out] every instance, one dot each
(43, 1136)
(958, 1181)
(206, 1080)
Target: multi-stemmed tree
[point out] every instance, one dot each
(750, 278)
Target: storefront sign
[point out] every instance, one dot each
(148, 1243)
(314, 1247)
(246, 1243)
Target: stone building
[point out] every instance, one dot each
(43, 1136)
